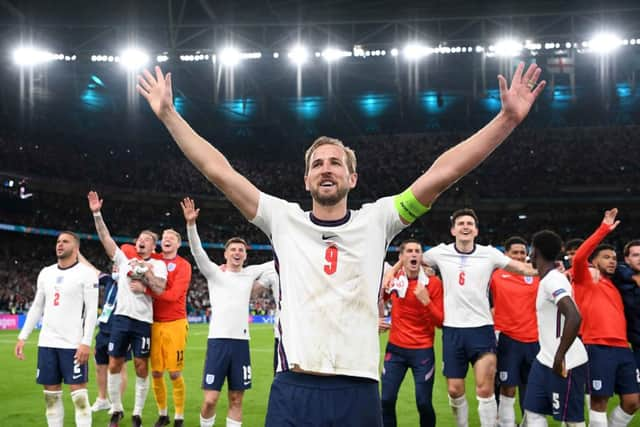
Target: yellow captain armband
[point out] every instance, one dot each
(408, 207)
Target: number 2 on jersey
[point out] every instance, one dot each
(331, 256)
(56, 298)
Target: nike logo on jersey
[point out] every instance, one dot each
(328, 236)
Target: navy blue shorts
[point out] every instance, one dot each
(56, 364)
(305, 400)
(551, 394)
(611, 369)
(101, 349)
(515, 359)
(227, 359)
(129, 334)
(636, 355)
(461, 346)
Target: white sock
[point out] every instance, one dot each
(55, 408)
(597, 419)
(82, 407)
(233, 423)
(114, 382)
(580, 424)
(207, 422)
(163, 412)
(178, 417)
(506, 413)
(533, 419)
(619, 418)
(460, 410)
(487, 410)
(142, 389)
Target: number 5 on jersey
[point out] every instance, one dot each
(331, 257)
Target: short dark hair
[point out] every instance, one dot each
(515, 240)
(601, 247)
(73, 235)
(406, 242)
(464, 212)
(548, 244)
(236, 240)
(572, 244)
(628, 246)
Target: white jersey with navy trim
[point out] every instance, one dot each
(229, 291)
(465, 279)
(67, 301)
(138, 306)
(330, 275)
(553, 287)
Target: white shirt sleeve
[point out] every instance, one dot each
(391, 217)
(159, 269)
(264, 274)
(557, 289)
(269, 207)
(91, 290)
(35, 312)
(499, 259)
(209, 269)
(429, 257)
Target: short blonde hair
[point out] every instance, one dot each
(236, 240)
(325, 140)
(151, 234)
(174, 232)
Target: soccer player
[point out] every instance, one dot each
(228, 343)
(612, 367)
(415, 312)
(514, 316)
(133, 313)
(67, 300)
(330, 259)
(627, 280)
(467, 333)
(170, 328)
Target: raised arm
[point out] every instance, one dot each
(210, 162)
(95, 204)
(572, 320)
(580, 264)
(464, 157)
(207, 268)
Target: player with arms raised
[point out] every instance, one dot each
(67, 300)
(330, 259)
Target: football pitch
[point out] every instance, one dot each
(23, 402)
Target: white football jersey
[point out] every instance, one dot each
(229, 292)
(553, 287)
(67, 301)
(271, 280)
(330, 274)
(465, 278)
(137, 306)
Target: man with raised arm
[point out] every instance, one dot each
(330, 259)
(67, 301)
(228, 344)
(133, 315)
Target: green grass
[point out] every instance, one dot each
(23, 403)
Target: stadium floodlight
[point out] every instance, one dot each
(394, 51)
(298, 55)
(507, 48)
(230, 57)
(604, 43)
(27, 56)
(134, 58)
(331, 54)
(414, 51)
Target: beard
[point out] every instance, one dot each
(328, 200)
(65, 255)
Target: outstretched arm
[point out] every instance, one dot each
(464, 157)
(207, 268)
(95, 204)
(210, 162)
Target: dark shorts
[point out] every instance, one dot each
(227, 359)
(611, 370)
(299, 400)
(57, 364)
(101, 349)
(461, 346)
(515, 359)
(129, 334)
(551, 394)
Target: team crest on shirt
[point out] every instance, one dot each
(209, 378)
(504, 375)
(528, 280)
(597, 384)
(171, 266)
(59, 279)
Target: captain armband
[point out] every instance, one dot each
(408, 207)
